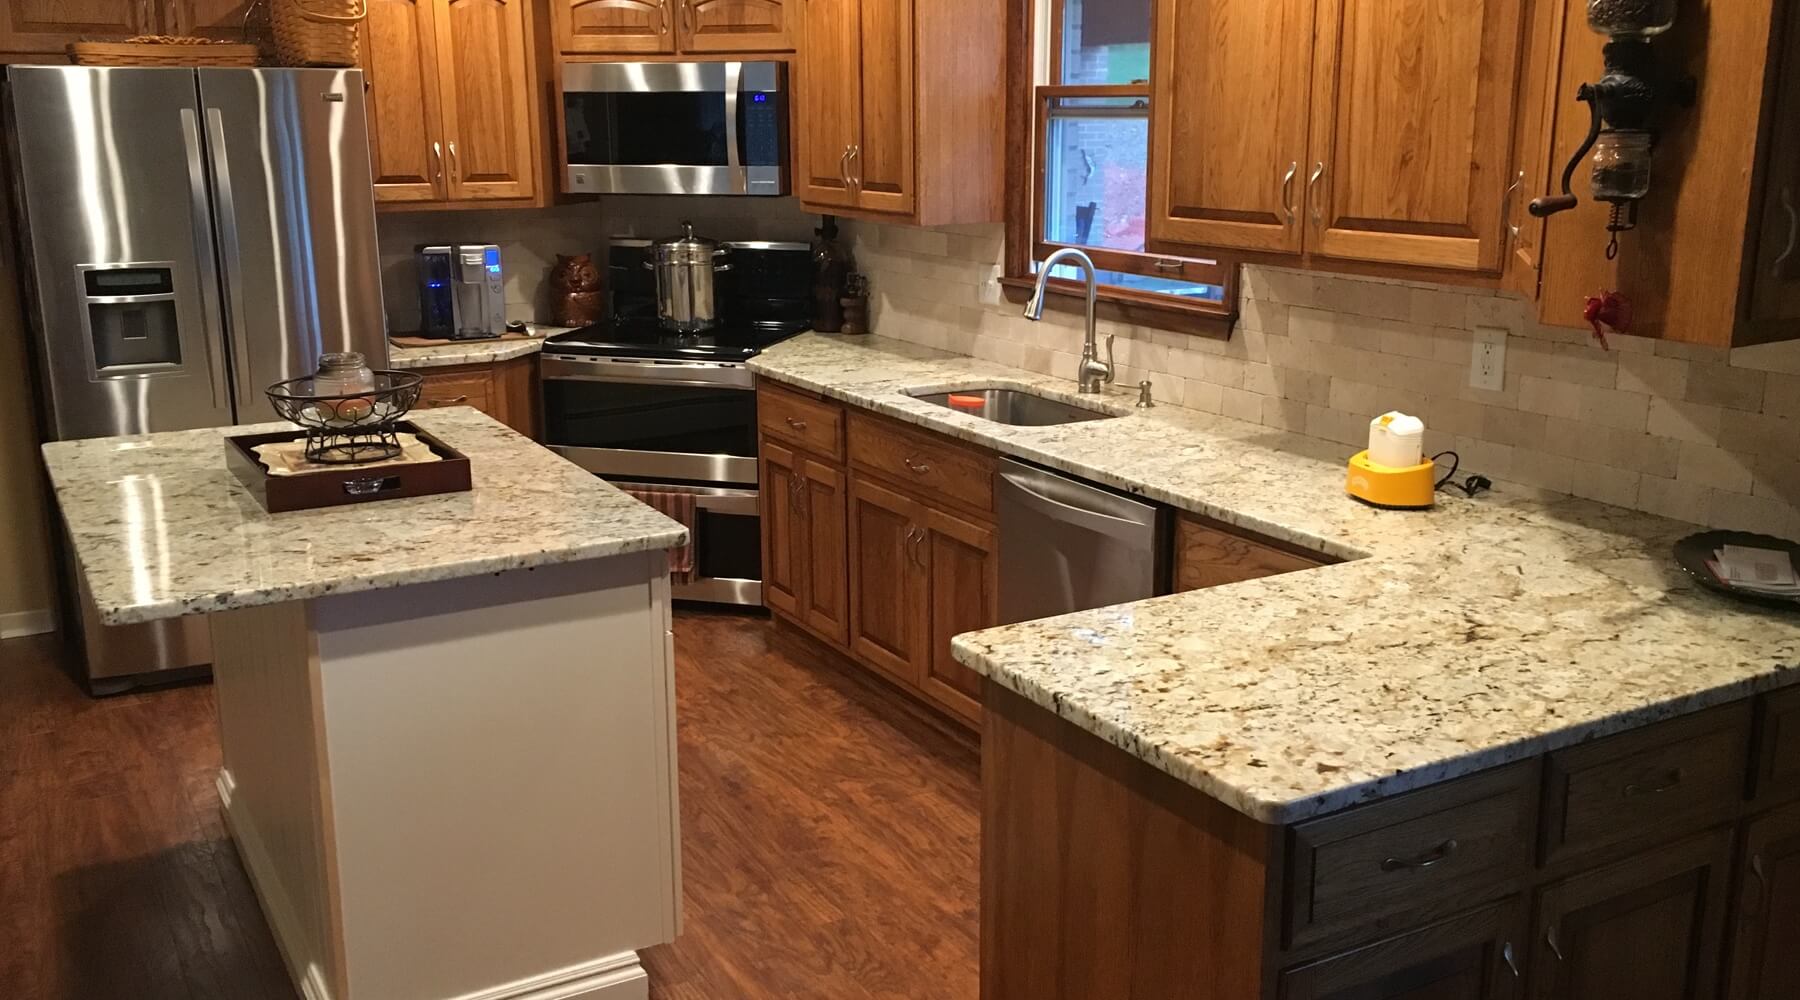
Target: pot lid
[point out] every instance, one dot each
(685, 247)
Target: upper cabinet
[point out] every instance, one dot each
(40, 30)
(899, 110)
(667, 27)
(453, 103)
(221, 19)
(1362, 130)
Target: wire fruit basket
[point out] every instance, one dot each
(353, 427)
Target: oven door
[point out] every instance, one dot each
(661, 420)
(675, 128)
(727, 540)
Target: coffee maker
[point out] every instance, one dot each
(461, 292)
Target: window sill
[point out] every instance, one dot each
(1215, 320)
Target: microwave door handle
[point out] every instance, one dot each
(734, 161)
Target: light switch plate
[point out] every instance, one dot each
(1487, 361)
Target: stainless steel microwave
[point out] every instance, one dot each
(675, 128)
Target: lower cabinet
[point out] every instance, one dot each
(1765, 953)
(1474, 956)
(962, 565)
(803, 518)
(1647, 927)
(504, 390)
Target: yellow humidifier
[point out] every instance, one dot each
(1393, 472)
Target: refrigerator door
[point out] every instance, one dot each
(117, 236)
(294, 208)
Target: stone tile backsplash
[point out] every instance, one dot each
(1694, 433)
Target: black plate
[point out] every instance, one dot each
(1693, 552)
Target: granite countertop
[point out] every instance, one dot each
(162, 528)
(471, 352)
(1449, 641)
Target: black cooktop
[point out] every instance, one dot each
(634, 338)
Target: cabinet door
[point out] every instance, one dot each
(735, 26)
(964, 578)
(1228, 137)
(827, 592)
(1474, 956)
(485, 75)
(400, 71)
(1412, 118)
(881, 163)
(1647, 928)
(220, 19)
(828, 100)
(1767, 938)
(614, 26)
(887, 580)
(784, 546)
(47, 26)
(1775, 263)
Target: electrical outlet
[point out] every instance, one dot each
(1487, 362)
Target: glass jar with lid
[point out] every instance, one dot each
(343, 374)
(1621, 165)
(1643, 19)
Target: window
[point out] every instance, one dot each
(1085, 93)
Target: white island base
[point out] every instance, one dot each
(459, 790)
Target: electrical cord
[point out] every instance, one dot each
(1471, 486)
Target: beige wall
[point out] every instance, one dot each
(1698, 434)
(26, 575)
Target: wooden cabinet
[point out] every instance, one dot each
(1209, 555)
(1774, 278)
(1229, 131)
(804, 527)
(1766, 934)
(963, 570)
(48, 26)
(504, 390)
(900, 108)
(888, 584)
(1407, 157)
(1647, 927)
(452, 101)
(1469, 957)
(825, 605)
(665, 27)
(221, 19)
(784, 556)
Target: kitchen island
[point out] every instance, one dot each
(447, 722)
(1504, 747)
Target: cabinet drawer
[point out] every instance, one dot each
(926, 462)
(1652, 784)
(462, 389)
(1778, 747)
(802, 421)
(1207, 556)
(1377, 868)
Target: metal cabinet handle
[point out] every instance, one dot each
(447, 402)
(1287, 190)
(1165, 264)
(856, 166)
(662, 17)
(1787, 205)
(1762, 889)
(844, 167)
(917, 468)
(1669, 780)
(1512, 230)
(1512, 963)
(437, 156)
(1426, 860)
(1312, 200)
(455, 164)
(798, 425)
(1555, 949)
(914, 536)
(687, 17)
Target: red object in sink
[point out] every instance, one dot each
(964, 401)
(1607, 311)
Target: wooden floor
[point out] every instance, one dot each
(829, 838)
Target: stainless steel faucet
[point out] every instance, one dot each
(1093, 373)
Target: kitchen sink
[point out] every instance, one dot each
(1014, 406)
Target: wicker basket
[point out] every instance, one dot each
(316, 32)
(190, 52)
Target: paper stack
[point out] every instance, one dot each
(1760, 571)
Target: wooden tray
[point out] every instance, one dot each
(336, 487)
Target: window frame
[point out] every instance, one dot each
(1028, 122)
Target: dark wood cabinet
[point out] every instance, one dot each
(1647, 927)
(888, 585)
(1765, 953)
(960, 560)
(783, 546)
(1473, 956)
(803, 538)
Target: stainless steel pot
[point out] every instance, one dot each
(685, 271)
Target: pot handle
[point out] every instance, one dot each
(649, 266)
(721, 267)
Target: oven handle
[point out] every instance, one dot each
(579, 369)
(746, 503)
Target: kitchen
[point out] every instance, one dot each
(962, 665)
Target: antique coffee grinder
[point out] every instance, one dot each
(1625, 104)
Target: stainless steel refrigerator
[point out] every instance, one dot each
(187, 238)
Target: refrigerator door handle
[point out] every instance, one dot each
(208, 260)
(225, 217)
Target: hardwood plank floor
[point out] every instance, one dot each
(829, 838)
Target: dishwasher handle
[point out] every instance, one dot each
(1025, 481)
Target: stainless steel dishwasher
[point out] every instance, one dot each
(1068, 545)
